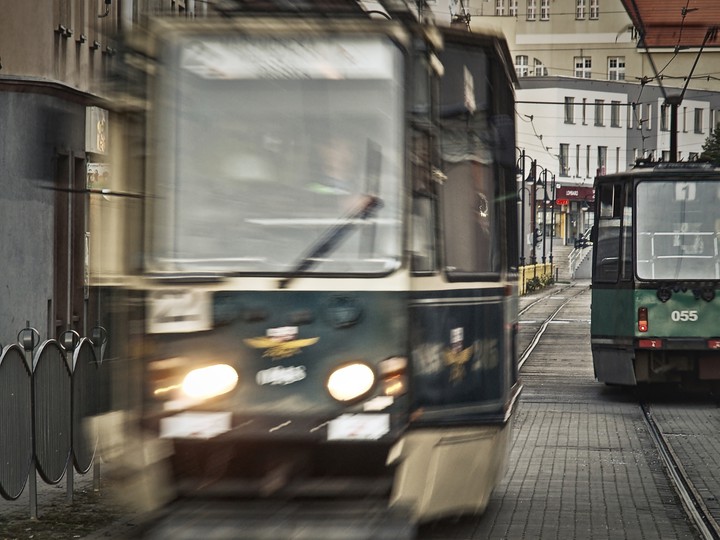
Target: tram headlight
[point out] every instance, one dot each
(350, 381)
(209, 381)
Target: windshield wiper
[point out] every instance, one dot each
(332, 237)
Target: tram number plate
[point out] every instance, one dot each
(195, 425)
(358, 427)
(179, 310)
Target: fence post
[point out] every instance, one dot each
(99, 338)
(28, 339)
(69, 340)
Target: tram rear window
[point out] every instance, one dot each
(677, 230)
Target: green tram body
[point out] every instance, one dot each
(274, 291)
(656, 268)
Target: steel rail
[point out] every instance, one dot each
(543, 327)
(691, 500)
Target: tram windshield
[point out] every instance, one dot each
(264, 147)
(678, 227)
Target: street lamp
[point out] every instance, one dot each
(552, 217)
(520, 167)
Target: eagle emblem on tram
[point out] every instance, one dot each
(280, 342)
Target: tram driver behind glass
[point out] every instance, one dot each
(334, 167)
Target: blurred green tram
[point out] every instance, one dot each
(656, 268)
(306, 328)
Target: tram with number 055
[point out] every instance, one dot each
(656, 269)
(324, 252)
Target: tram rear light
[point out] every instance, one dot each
(650, 343)
(642, 319)
(713, 343)
(350, 381)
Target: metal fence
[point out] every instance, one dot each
(48, 393)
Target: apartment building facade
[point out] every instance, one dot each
(54, 143)
(590, 98)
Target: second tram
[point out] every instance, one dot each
(656, 270)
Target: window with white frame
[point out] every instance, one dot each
(615, 114)
(539, 68)
(664, 117)
(693, 156)
(513, 8)
(602, 159)
(544, 10)
(617, 159)
(616, 68)
(531, 10)
(599, 112)
(500, 8)
(583, 67)
(521, 65)
(584, 111)
(648, 115)
(569, 110)
(577, 160)
(587, 162)
(594, 9)
(684, 119)
(580, 9)
(698, 120)
(564, 159)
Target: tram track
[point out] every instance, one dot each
(693, 505)
(543, 326)
(691, 500)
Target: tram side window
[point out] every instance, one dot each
(627, 236)
(607, 249)
(469, 219)
(423, 234)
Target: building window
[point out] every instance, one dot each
(583, 67)
(615, 113)
(664, 115)
(500, 8)
(540, 69)
(666, 155)
(698, 120)
(617, 159)
(564, 159)
(594, 9)
(693, 156)
(587, 162)
(532, 10)
(544, 10)
(580, 10)
(616, 68)
(577, 160)
(602, 159)
(584, 111)
(631, 116)
(599, 112)
(684, 119)
(569, 110)
(521, 65)
(648, 116)
(513, 8)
